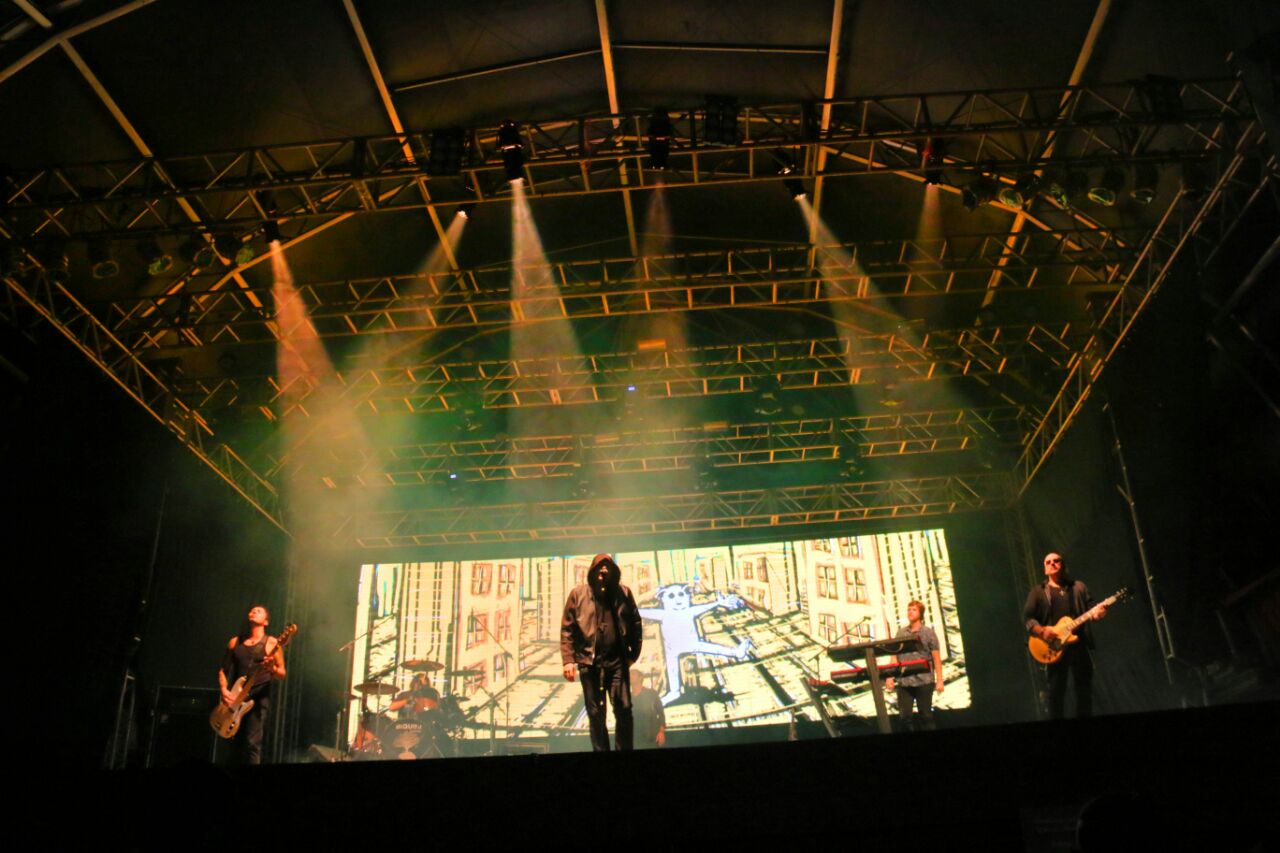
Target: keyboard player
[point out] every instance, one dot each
(917, 689)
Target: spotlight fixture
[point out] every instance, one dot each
(245, 254)
(767, 404)
(794, 185)
(583, 487)
(1145, 180)
(157, 260)
(227, 245)
(198, 251)
(101, 263)
(1010, 196)
(659, 138)
(465, 210)
(720, 123)
(1107, 190)
(705, 469)
(448, 149)
(852, 461)
(890, 396)
(932, 157)
(980, 192)
(271, 231)
(512, 148)
(1022, 192)
(1061, 185)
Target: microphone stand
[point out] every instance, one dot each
(506, 694)
(343, 715)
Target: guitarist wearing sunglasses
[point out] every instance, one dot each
(1062, 596)
(252, 649)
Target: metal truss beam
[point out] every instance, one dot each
(388, 105)
(680, 513)
(1184, 224)
(772, 276)
(69, 33)
(810, 363)
(1005, 130)
(150, 390)
(654, 449)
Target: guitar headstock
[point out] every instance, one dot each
(1122, 594)
(286, 635)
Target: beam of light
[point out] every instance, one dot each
(543, 339)
(662, 335)
(380, 348)
(860, 314)
(378, 351)
(318, 429)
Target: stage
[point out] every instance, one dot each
(1187, 779)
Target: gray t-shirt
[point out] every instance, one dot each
(930, 641)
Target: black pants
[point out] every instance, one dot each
(252, 727)
(922, 696)
(1076, 661)
(597, 681)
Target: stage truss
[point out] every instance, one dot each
(173, 345)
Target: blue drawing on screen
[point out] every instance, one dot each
(678, 617)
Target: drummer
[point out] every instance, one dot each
(418, 698)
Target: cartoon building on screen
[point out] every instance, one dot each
(732, 633)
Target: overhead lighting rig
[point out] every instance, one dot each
(660, 133)
(932, 158)
(512, 148)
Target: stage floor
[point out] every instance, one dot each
(1200, 778)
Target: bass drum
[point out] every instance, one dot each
(406, 740)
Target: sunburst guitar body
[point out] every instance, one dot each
(1065, 631)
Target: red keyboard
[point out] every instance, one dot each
(910, 666)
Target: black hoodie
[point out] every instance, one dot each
(580, 627)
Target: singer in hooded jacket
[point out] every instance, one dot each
(600, 637)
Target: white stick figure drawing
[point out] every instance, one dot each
(678, 617)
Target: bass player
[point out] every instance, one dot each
(1047, 603)
(251, 647)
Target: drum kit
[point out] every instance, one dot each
(418, 723)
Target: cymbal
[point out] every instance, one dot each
(422, 665)
(377, 688)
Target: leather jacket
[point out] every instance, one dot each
(1035, 613)
(579, 626)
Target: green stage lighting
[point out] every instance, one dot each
(157, 260)
(1106, 191)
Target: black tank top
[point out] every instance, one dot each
(242, 660)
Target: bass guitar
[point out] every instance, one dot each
(225, 718)
(1064, 632)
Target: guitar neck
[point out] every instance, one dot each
(1092, 612)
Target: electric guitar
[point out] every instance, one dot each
(1064, 631)
(225, 719)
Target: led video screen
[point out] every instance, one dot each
(731, 632)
